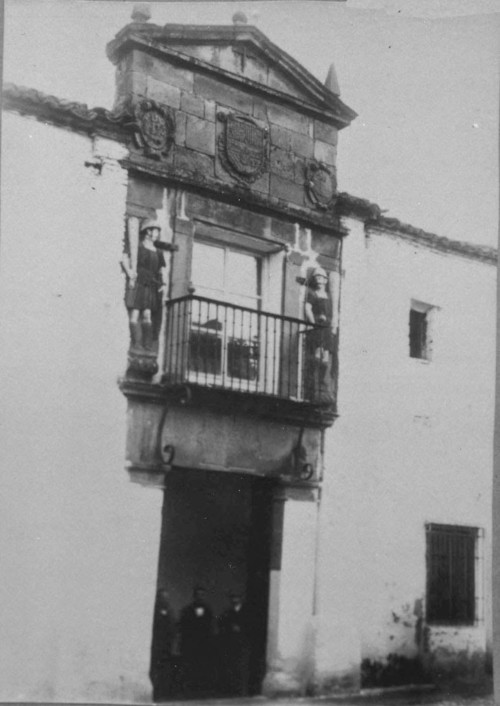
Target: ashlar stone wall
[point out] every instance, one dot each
(200, 102)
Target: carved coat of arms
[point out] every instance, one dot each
(321, 185)
(154, 129)
(243, 147)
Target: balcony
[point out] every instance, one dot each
(221, 346)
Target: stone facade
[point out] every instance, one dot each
(300, 120)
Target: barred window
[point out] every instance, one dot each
(451, 574)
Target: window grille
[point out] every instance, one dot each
(452, 574)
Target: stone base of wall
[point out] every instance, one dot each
(343, 682)
(462, 668)
(278, 683)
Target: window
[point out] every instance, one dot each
(219, 272)
(228, 330)
(452, 575)
(224, 340)
(420, 330)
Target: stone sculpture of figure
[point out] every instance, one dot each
(145, 284)
(320, 343)
(234, 652)
(162, 660)
(197, 633)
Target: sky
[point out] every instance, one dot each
(421, 74)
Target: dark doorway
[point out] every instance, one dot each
(216, 535)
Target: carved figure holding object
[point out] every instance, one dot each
(146, 284)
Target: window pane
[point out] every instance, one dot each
(242, 274)
(205, 339)
(242, 344)
(208, 267)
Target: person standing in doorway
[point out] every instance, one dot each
(234, 652)
(164, 634)
(197, 633)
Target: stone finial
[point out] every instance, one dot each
(141, 12)
(239, 18)
(332, 82)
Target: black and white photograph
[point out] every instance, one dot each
(248, 313)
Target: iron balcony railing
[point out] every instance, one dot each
(216, 344)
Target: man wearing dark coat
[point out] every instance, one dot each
(234, 644)
(197, 645)
(164, 633)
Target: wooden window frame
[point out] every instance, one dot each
(270, 258)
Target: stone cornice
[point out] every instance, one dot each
(300, 414)
(117, 125)
(322, 220)
(324, 105)
(375, 222)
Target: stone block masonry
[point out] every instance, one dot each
(210, 111)
(287, 165)
(294, 138)
(180, 128)
(223, 94)
(286, 190)
(161, 71)
(325, 133)
(200, 135)
(324, 152)
(282, 163)
(163, 93)
(193, 163)
(292, 141)
(286, 118)
(192, 104)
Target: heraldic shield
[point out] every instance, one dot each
(154, 128)
(321, 185)
(244, 147)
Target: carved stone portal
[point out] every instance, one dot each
(243, 147)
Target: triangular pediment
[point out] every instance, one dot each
(246, 59)
(239, 51)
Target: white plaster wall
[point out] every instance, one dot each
(413, 443)
(290, 639)
(78, 542)
(339, 572)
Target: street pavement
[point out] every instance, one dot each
(369, 698)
